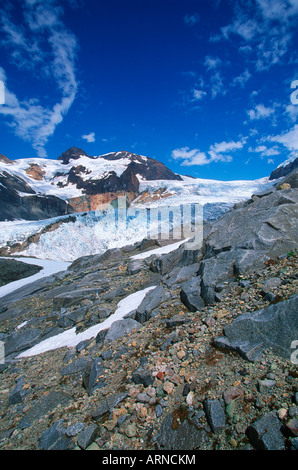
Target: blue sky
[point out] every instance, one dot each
(203, 86)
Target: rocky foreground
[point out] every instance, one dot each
(207, 361)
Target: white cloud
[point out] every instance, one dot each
(278, 9)
(219, 152)
(288, 139)
(223, 147)
(199, 94)
(190, 157)
(260, 112)
(212, 63)
(43, 46)
(217, 85)
(292, 111)
(89, 137)
(241, 79)
(265, 151)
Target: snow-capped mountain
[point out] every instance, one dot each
(79, 182)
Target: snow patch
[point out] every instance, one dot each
(70, 339)
(50, 267)
(160, 251)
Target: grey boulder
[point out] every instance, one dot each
(274, 327)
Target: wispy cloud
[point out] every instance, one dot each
(198, 94)
(241, 79)
(260, 112)
(212, 63)
(288, 139)
(43, 46)
(218, 152)
(89, 137)
(265, 29)
(191, 20)
(266, 152)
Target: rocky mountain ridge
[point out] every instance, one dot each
(283, 170)
(203, 360)
(35, 189)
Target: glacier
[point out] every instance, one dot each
(96, 231)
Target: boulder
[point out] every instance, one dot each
(43, 406)
(21, 340)
(135, 266)
(55, 438)
(181, 274)
(75, 366)
(142, 376)
(163, 264)
(190, 294)
(215, 414)
(273, 327)
(69, 319)
(265, 433)
(121, 328)
(179, 433)
(88, 436)
(150, 302)
(74, 297)
(108, 404)
(267, 223)
(94, 376)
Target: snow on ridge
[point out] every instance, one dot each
(289, 160)
(70, 339)
(50, 267)
(160, 251)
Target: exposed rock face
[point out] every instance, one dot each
(282, 171)
(4, 159)
(29, 207)
(35, 171)
(94, 202)
(12, 270)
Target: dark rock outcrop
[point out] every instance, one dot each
(282, 171)
(13, 270)
(19, 201)
(73, 153)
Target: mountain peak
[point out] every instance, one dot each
(73, 153)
